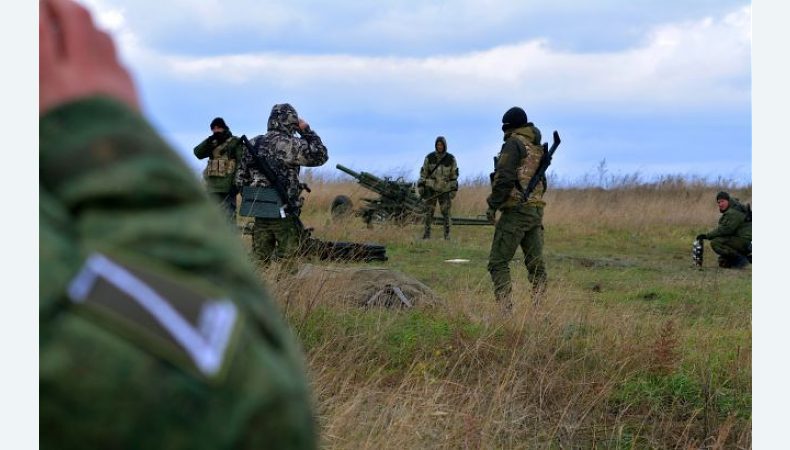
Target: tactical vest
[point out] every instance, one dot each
(440, 173)
(220, 164)
(526, 169)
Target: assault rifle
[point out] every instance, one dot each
(325, 250)
(545, 161)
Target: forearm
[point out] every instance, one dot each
(101, 161)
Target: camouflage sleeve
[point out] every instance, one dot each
(424, 170)
(243, 170)
(505, 177)
(728, 224)
(126, 193)
(454, 170)
(309, 150)
(203, 150)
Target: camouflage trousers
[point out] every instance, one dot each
(730, 249)
(518, 226)
(276, 239)
(445, 203)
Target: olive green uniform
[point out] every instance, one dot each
(129, 249)
(732, 238)
(521, 222)
(438, 183)
(224, 155)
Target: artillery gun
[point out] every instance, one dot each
(398, 202)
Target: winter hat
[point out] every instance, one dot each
(514, 117)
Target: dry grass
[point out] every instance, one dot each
(630, 348)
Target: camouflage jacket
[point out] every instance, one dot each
(122, 263)
(439, 173)
(224, 157)
(285, 153)
(517, 162)
(733, 223)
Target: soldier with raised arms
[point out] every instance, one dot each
(288, 145)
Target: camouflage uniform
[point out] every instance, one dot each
(438, 182)
(224, 152)
(732, 238)
(132, 269)
(521, 223)
(285, 154)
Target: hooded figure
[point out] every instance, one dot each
(438, 183)
(288, 144)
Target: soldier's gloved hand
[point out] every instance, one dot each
(491, 215)
(701, 237)
(452, 194)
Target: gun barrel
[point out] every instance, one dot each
(348, 171)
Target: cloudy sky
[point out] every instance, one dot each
(645, 87)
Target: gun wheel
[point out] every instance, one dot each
(341, 206)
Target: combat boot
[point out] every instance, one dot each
(427, 234)
(446, 233)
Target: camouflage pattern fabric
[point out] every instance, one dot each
(517, 226)
(518, 161)
(733, 223)
(285, 153)
(521, 223)
(439, 172)
(732, 238)
(223, 148)
(109, 185)
(445, 203)
(731, 247)
(276, 239)
(438, 183)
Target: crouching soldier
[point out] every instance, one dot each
(732, 239)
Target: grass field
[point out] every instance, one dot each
(631, 348)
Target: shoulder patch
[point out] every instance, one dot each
(166, 316)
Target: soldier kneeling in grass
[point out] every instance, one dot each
(732, 238)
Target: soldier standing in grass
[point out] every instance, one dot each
(275, 231)
(438, 183)
(154, 331)
(732, 238)
(521, 221)
(224, 152)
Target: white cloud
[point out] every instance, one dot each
(706, 62)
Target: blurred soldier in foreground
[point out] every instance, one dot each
(281, 152)
(732, 239)
(153, 330)
(224, 152)
(521, 221)
(438, 182)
